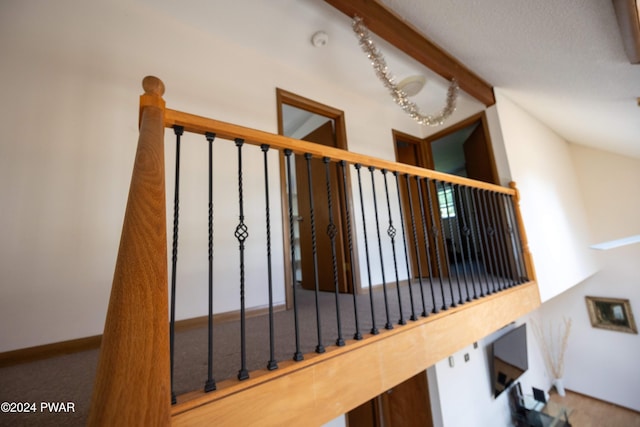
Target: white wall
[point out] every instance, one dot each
(609, 183)
(551, 200)
(70, 81)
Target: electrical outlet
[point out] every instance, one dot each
(466, 357)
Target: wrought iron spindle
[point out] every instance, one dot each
(481, 242)
(297, 356)
(331, 233)
(507, 231)
(406, 254)
(415, 245)
(468, 234)
(502, 251)
(427, 246)
(446, 251)
(241, 234)
(210, 384)
(435, 233)
(271, 364)
(489, 231)
(357, 335)
(517, 243)
(319, 346)
(455, 194)
(450, 215)
(387, 325)
(178, 130)
(374, 329)
(391, 232)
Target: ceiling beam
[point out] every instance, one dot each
(628, 15)
(389, 26)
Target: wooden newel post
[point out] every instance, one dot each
(528, 259)
(132, 386)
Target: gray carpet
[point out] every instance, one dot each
(69, 378)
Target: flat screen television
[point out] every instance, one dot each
(510, 361)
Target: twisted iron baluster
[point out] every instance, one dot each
(391, 232)
(426, 241)
(357, 335)
(271, 364)
(457, 199)
(434, 229)
(466, 230)
(499, 239)
(406, 254)
(297, 356)
(515, 238)
(178, 130)
(210, 384)
(319, 346)
(489, 239)
(331, 232)
(374, 329)
(447, 262)
(480, 233)
(415, 246)
(388, 325)
(241, 234)
(453, 249)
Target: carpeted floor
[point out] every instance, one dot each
(69, 378)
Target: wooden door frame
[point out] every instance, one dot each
(295, 100)
(482, 117)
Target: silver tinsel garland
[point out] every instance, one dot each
(398, 95)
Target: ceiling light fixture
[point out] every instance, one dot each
(412, 85)
(399, 96)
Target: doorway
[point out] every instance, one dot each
(308, 120)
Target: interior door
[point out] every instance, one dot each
(405, 405)
(411, 153)
(324, 135)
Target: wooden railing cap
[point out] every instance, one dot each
(153, 86)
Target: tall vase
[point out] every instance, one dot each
(559, 385)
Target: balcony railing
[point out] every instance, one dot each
(400, 244)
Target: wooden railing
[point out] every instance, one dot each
(133, 382)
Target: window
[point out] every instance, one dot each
(446, 202)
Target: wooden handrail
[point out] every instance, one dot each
(132, 384)
(201, 125)
(526, 253)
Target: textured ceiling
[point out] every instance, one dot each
(562, 61)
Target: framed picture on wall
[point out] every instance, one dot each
(611, 313)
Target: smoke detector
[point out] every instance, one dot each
(319, 39)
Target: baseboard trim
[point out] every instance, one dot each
(603, 401)
(46, 351)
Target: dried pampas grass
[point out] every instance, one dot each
(553, 343)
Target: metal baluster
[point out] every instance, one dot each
(391, 232)
(357, 335)
(241, 234)
(271, 364)
(446, 252)
(517, 243)
(458, 195)
(491, 252)
(297, 356)
(374, 329)
(319, 346)
(178, 130)
(482, 243)
(468, 232)
(426, 245)
(502, 255)
(415, 244)
(406, 254)
(331, 232)
(507, 232)
(210, 384)
(435, 233)
(453, 248)
(388, 325)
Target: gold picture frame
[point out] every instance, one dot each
(611, 313)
